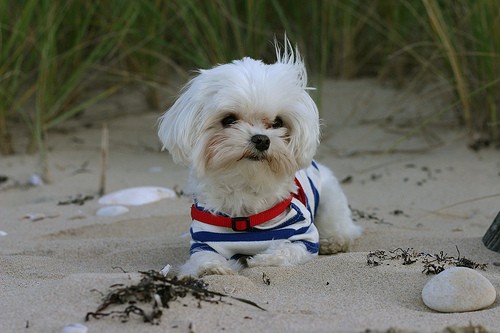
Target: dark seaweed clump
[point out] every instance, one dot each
(432, 263)
(148, 298)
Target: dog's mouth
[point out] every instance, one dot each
(254, 156)
(259, 157)
(265, 159)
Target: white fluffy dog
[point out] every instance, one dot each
(249, 131)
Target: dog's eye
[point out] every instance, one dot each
(229, 120)
(278, 122)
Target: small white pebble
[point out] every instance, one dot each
(74, 328)
(3, 233)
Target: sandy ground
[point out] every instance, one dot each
(431, 194)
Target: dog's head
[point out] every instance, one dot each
(245, 115)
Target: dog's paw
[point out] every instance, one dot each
(208, 263)
(332, 246)
(339, 243)
(203, 270)
(215, 270)
(281, 253)
(339, 240)
(267, 260)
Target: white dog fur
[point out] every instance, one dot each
(210, 129)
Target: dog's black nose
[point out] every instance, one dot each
(261, 142)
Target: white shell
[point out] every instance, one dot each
(39, 216)
(164, 271)
(112, 210)
(74, 328)
(35, 216)
(458, 289)
(35, 180)
(137, 196)
(3, 233)
(155, 169)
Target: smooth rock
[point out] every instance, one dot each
(74, 328)
(137, 196)
(458, 289)
(112, 210)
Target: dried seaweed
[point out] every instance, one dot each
(450, 329)
(79, 200)
(432, 263)
(359, 214)
(152, 294)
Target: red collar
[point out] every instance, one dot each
(246, 222)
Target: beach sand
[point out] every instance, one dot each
(431, 194)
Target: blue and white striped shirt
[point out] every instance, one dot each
(296, 226)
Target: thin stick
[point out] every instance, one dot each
(44, 159)
(104, 158)
(438, 211)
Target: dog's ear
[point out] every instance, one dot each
(305, 130)
(176, 128)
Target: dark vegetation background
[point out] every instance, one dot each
(58, 57)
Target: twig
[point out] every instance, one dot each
(44, 159)
(438, 211)
(104, 158)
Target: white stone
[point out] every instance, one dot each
(458, 289)
(74, 328)
(137, 196)
(111, 210)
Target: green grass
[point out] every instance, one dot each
(58, 57)
(15, 48)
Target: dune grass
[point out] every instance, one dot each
(14, 63)
(58, 57)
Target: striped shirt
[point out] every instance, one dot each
(296, 225)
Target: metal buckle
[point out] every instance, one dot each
(236, 223)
